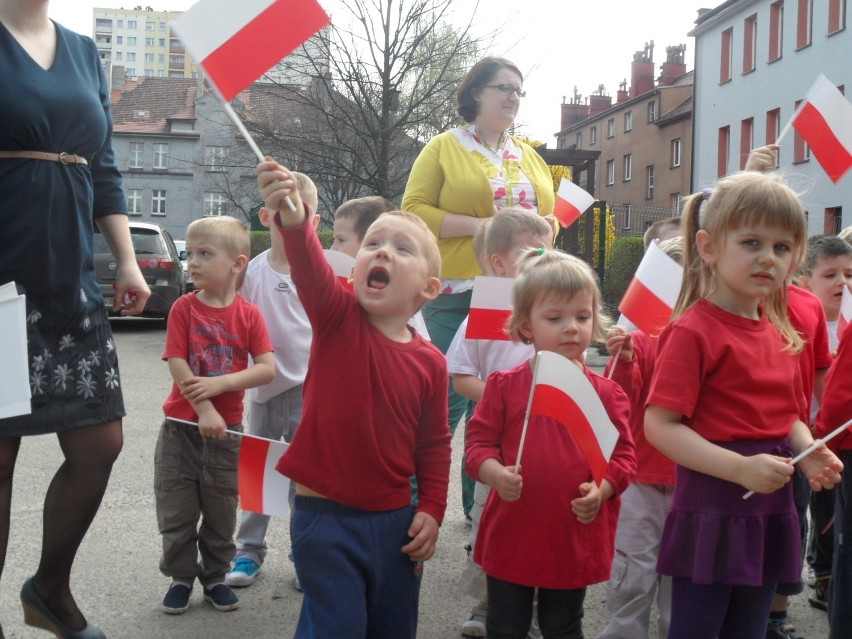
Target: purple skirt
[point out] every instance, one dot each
(712, 535)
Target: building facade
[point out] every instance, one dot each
(754, 62)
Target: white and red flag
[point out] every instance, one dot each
(342, 265)
(824, 119)
(237, 41)
(561, 391)
(845, 318)
(571, 202)
(263, 489)
(651, 296)
(490, 308)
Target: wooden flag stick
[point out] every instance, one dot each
(230, 432)
(527, 416)
(614, 362)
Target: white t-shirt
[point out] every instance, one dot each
(289, 329)
(833, 339)
(481, 357)
(419, 324)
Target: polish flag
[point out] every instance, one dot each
(237, 41)
(824, 119)
(845, 311)
(263, 489)
(490, 308)
(562, 391)
(571, 202)
(651, 296)
(342, 265)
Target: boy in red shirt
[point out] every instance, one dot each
(375, 413)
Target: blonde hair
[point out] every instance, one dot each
(307, 189)
(673, 247)
(228, 231)
(479, 243)
(846, 234)
(546, 272)
(427, 240)
(741, 200)
(508, 224)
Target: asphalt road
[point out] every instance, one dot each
(116, 579)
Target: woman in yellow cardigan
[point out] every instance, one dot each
(464, 176)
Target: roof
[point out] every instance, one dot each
(145, 105)
(682, 110)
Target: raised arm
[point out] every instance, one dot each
(276, 184)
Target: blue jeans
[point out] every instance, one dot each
(840, 590)
(356, 582)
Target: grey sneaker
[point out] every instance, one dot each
(475, 626)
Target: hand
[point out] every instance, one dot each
(588, 504)
(211, 424)
(764, 473)
(196, 389)
(553, 223)
(276, 184)
(508, 483)
(822, 468)
(762, 158)
(620, 341)
(424, 533)
(131, 290)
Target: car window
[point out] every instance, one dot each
(147, 244)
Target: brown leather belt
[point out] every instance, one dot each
(62, 158)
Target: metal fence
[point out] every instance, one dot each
(632, 220)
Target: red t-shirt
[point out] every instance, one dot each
(375, 410)
(214, 341)
(537, 540)
(652, 467)
(729, 376)
(808, 318)
(836, 406)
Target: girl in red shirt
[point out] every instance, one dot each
(547, 525)
(722, 405)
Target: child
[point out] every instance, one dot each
(275, 408)
(662, 230)
(725, 406)
(826, 271)
(470, 361)
(212, 332)
(546, 526)
(634, 580)
(834, 412)
(375, 413)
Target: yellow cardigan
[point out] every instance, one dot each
(447, 178)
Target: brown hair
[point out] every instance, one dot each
(477, 77)
(363, 211)
(740, 200)
(656, 230)
(820, 246)
(510, 222)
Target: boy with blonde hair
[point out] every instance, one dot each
(275, 409)
(358, 542)
(211, 333)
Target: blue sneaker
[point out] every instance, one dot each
(221, 598)
(243, 573)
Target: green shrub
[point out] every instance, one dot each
(261, 241)
(624, 260)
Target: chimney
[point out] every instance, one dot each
(599, 101)
(673, 67)
(117, 78)
(642, 71)
(574, 111)
(621, 95)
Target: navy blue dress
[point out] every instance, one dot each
(47, 213)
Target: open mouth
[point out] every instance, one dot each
(378, 278)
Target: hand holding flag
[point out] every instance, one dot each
(571, 202)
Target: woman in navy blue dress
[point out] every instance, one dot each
(58, 179)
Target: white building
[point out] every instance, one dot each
(754, 62)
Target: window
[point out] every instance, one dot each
(161, 57)
(804, 23)
(652, 111)
(776, 29)
(628, 121)
(131, 72)
(131, 57)
(579, 143)
(158, 202)
(610, 172)
(149, 73)
(801, 151)
(149, 42)
(836, 16)
(674, 199)
(131, 41)
(628, 167)
(162, 26)
(610, 128)
(749, 43)
(162, 42)
(746, 140)
(649, 182)
(149, 57)
(723, 151)
(150, 26)
(628, 217)
(131, 24)
(118, 55)
(833, 220)
(593, 135)
(134, 201)
(214, 204)
(119, 24)
(727, 51)
(676, 152)
(161, 152)
(136, 151)
(119, 39)
(214, 158)
(773, 126)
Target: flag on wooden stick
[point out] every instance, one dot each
(262, 489)
(571, 202)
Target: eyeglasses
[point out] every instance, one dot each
(508, 89)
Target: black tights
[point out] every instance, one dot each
(71, 503)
